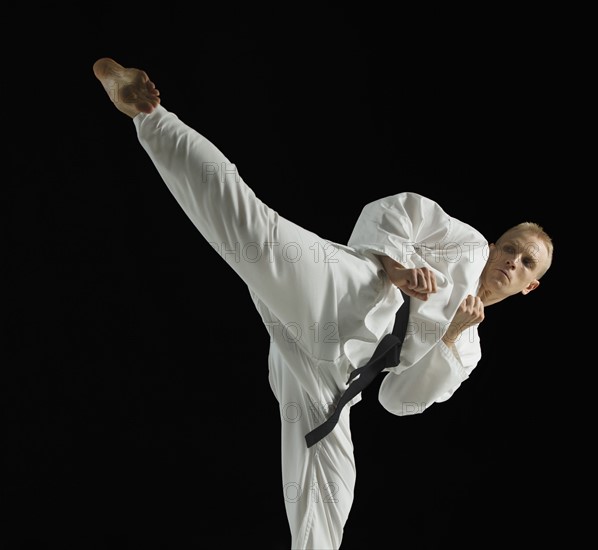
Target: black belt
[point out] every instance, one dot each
(386, 355)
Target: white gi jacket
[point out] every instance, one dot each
(416, 232)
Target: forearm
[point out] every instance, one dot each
(389, 264)
(432, 379)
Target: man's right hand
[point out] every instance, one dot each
(417, 282)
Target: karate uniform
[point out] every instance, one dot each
(324, 307)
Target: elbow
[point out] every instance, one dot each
(406, 408)
(400, 407)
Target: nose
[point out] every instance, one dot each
(512, 262)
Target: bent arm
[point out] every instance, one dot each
(397, 226)
(431, 380)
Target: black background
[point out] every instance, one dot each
(114, 431)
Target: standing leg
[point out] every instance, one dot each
(318, 482)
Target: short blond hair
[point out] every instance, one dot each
(538, 231)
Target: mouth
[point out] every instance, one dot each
(505, 274)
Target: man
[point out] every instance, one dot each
(326, 306)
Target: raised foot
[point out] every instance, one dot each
(131, 90)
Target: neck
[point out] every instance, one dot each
(487, 297)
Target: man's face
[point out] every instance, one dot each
(514, 264)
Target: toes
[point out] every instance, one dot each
(147, 106)
(151, 88)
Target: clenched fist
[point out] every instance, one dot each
(417, 282)
(469, 313)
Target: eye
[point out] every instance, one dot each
(509, 249)
(529, 262)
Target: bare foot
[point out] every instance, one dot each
(131, 90)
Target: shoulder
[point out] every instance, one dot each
(462, 232)
(418, 207)
(408, 197)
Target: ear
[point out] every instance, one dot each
(532, 286)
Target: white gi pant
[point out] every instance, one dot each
(301, 285)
